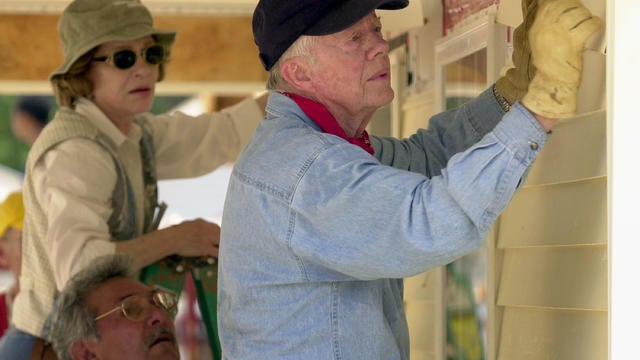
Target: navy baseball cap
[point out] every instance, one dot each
(279, 23)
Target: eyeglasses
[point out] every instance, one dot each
(137, 308)
(125, 59)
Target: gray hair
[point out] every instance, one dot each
(71, 319)
(304, 46)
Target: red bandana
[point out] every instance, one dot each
(321, 116)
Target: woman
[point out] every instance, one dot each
(90, 185)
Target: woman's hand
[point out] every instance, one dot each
(195, 238)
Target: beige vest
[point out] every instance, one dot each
(37, 285)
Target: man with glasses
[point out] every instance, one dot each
(90, 185)
(105, 313)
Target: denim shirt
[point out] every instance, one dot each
(317, 234)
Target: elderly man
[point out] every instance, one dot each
(105, 313)
(322, 222)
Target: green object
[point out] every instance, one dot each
(171, 272)
(464, 330)
(206, 281)
(13, 152)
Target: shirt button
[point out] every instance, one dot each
(533, 145)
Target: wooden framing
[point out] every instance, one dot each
(207, 49)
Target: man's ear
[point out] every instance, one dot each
(296, 72)
(82, 350)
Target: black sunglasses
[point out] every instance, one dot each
(125, 59)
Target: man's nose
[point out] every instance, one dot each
(379, 46)
(158, 315)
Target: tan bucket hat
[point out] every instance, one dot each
(85, 24)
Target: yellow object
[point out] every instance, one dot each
(11, 212)
(557, 37)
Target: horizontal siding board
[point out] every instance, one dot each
(559, 277)
(576, 150)
(535, 334)
(561, 214)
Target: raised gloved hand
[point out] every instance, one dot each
(514, 84)
(557, 37)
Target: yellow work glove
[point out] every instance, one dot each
(514, 84)
(558, 36)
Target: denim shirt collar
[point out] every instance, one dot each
(280, 105)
